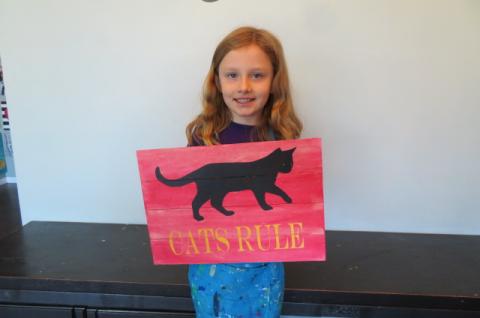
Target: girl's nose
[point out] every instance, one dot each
(245, 85)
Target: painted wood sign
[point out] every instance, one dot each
(249, 202)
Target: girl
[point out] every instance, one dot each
(246, 97)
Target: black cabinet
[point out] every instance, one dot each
(86, 270)
(16, 311)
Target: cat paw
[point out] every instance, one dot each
(198, 217)
(228, 212)
(288, 200)
(266, 207)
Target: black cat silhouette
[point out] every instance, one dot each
(215, 180)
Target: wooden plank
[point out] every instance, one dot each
(251, 202)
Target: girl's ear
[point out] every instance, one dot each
(271, 85)
(217, 83)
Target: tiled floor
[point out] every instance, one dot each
(10, 219)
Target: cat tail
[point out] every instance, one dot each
(172, 183)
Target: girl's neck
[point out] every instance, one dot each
(245, 120)
(242, 124)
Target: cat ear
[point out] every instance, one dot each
(275, 153)
(290, 151)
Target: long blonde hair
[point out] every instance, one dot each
(278, 115)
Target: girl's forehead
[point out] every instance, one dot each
(251, 56)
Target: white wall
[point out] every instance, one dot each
(392, 87)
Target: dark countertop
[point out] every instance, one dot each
(10, 219)
(362, 268)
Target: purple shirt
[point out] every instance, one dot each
(237, 133)
(234, 134)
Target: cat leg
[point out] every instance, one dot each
(276, 190)
(261, 200)
(198, 201)
(217, 203)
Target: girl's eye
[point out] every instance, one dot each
(231, 75)
(257, 75)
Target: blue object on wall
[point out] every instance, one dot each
(3, 163)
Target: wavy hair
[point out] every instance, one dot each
(278, 114)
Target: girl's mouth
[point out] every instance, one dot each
(244, 100)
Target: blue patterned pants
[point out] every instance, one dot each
(244, 290)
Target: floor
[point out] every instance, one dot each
(10, 219)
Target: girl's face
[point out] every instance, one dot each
(245, 79)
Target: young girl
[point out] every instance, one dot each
(246, 97)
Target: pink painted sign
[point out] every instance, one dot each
(249, 202)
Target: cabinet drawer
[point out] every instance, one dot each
(15, 311)
(140, 314)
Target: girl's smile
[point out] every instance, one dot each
(245, 78)
(244, 100)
